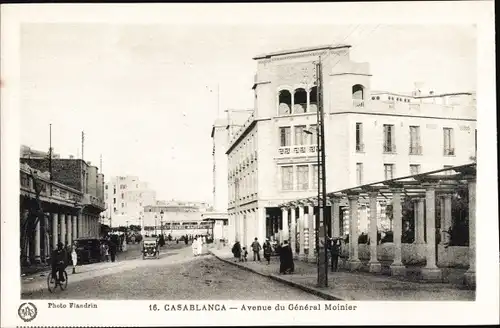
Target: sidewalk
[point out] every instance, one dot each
(359, 286)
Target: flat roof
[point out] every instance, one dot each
(299, 50)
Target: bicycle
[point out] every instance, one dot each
(53, 282)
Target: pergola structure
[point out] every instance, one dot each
(422, 188)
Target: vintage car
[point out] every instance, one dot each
(150, 248)
(88, 250)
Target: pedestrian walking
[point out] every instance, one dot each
(106, 252)
(244, 255)
(194, 247)
(112, 250)
(256, 249)
(335, 252)
(236, 250)
(268, 250)
(199, 246)
(74, 257)
(286, 259)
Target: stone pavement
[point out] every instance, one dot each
(359, 286)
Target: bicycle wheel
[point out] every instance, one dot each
(51, 283)
(64, 284)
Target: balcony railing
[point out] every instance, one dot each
(297, 150)
(92, 200)
(389, 148)
(358, 103)
(360, 147)
(415, 150)
(449, 151)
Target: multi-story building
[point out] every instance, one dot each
(27, 152)
(222, 131)
(176, 218)
(126, 197)
(370, 136)
(58, 208)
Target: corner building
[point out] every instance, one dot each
(370, 136)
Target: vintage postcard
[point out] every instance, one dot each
(249, 164)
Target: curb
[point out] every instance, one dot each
(312, 290)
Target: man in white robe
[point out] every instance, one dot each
(199, 246)
(194, 247)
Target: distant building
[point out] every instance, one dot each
(370, 136)
(176, 219)
(126, 197)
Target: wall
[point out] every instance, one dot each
(100, 186)
(92, 181)
(66, 171)
(220, 141)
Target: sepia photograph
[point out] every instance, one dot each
(196, 161)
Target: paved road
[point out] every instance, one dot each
(177, 275)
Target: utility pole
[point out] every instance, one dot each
(50, 151)
(321, 217)
(100, 163)
(83, 140)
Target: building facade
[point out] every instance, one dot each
(370, 136)
(56, 209)
(176, 218)
(126, 197)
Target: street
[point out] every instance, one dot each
(177, 275)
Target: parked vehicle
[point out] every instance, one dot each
(150, 248)
(88, 250)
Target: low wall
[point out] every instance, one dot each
(453, 256)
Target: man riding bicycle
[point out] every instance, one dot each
(59, 261)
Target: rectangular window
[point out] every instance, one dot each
(300, 135)
(388, 171)
(122, 195)
(287, 177)
(359, 137)
(389, 139)
(285, 136)
(114, 190)
(106, 187)
(303, 177)
(123, 205)
(359, 174)
(414, 169)
(415, 147)
(315, 176)
(449, 148)
(314, 134)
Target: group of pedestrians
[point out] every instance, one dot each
(287, 265)
(284, 251)
(197, 245)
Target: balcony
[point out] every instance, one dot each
(92, 200)
(297, 150)
(415, 150)
(449, 152)
(358, 103)
(360, 148)
(389, 148)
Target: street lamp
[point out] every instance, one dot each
(161, 221)
(321, 217)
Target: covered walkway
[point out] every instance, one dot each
(431, 240)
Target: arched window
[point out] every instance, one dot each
(299, 101)
(313, 99)
(285, 102)
(358, 92)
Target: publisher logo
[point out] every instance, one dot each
(27, 311)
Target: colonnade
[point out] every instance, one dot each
(298, 228)
(65, 227)
(249, 224)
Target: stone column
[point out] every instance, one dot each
(419, 221)
(37, 243)
(311, 256)
(62, 218)
(335, 220)
(374, 263)
(442, 223)
(80, 224)
(302, 240)
(70, 229)
(245, 229)
(470, 274)
(431, 271)
(447, 219)
(286, 229)
(74, 226)
(293, 231)
(261, 218)
(397, 267)
(354, 262)
(55, 232)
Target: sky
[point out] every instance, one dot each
(146, 95)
